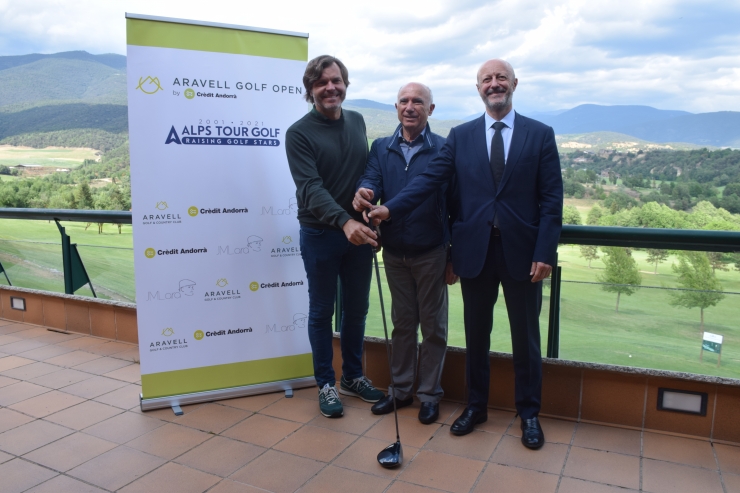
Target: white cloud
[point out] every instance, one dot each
(673, 54)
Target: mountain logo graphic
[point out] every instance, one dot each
(222, 282)
(149, 85)
(162, 206)
(169, 331)
(287, 239)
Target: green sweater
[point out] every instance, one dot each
(326, 158)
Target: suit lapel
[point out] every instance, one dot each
(518, 139)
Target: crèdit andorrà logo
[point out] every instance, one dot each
(192, 211)
(189, 93)
(149, 85)
(150, 253)
(198, 335)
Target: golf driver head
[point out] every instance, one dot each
(391, 456)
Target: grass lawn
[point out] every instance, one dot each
(647, 331)
(58, 157)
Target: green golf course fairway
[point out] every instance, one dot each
(647, 332)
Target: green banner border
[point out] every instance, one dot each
(141, 32)
(203, 379)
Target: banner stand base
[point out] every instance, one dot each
(215, 395)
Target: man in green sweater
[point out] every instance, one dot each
(327, 151)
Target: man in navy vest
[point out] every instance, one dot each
(506, 233)
(414, 254)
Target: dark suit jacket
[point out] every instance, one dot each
(529, 200)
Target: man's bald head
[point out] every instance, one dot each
(417, 86)
(496, 85)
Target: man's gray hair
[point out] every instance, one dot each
(426, 88)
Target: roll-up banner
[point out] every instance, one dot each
(221, 292)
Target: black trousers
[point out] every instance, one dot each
(523, 304)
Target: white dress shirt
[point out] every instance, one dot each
(506, 132)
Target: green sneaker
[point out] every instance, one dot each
(360, 387)
(329, 402)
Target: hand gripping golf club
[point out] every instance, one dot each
(392, 455)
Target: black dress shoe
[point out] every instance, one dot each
(467, 421)
(532, 436)
(429, 412)
(385, 405)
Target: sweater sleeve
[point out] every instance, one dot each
(310, 190)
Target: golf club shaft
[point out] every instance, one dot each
(385, 330)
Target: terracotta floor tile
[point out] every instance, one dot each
(603, 467)
(73, 358)
(54, 337)
(228, 486)
(82, 342)
(19, 475)
(166, 414)
(131, 355)
(70, 451)
(5, 457)
(19, 392)
(173, 477)
(130, 374)
(46, 404)
(442, 471)
(608, 438)
(355, 421)
(316, 443)
(31, 332)
(311, 393)
(220, 456)
(677, 449)
(116, 468)
(403, 487)
(83, 415)
(31, 436)
(213, 418)
(10, 362)
(10, 419)
(664, 477)
(549, 458)
(109, 348)
(278, 472)
(337, 479)
(732, 483)
(169, 441)
(572, 485)
(8, 327)
(61, 378)
(362, 456)
(8, 339)
(261, 430)
(5, 381)
(64, 484)
(94, 387)
(28, 372)
(412, 432)
(102, 365)
(555, 430)
(253, 403)
(46, 352)
(504, 479)
(348, 401)
(498, 421)
(124, 427)
(301, 410)
(728, 457)
(22, 346)
(126, 397)
(477, 445)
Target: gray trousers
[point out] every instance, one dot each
(418, 297)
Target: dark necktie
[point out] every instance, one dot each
(498, 159)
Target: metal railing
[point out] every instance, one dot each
(667, 239)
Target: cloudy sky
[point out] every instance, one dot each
(670, 54)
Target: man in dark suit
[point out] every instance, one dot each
(506, 233)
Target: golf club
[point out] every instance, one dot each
(392, 455)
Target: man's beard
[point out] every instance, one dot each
(498, 105)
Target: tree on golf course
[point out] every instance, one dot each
(656, 256)
(695, 273)
(571, 215)
(718, 261)
(594, 215)
(621, 274)
(590, 252)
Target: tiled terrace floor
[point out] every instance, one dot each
(70, 421)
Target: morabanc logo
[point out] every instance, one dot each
(149, 85)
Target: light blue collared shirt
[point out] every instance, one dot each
(506, 132)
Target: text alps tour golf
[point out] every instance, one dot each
(223, 135)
